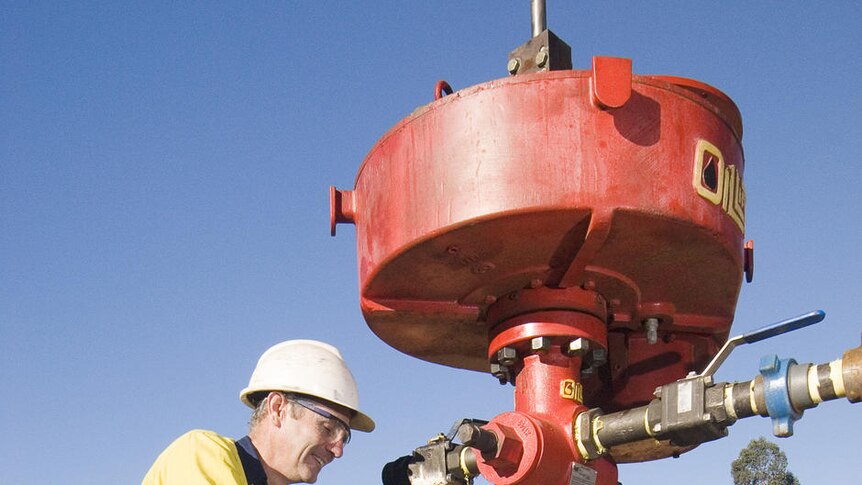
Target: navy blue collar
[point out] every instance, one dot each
(251, 465)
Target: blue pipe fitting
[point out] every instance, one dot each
(776, 388)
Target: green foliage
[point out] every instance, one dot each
(762, 463)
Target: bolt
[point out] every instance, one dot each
(651, 327)
(536, 283)
(507, 356)
(600, 357)
(578, 347)
(540, 344)
(542, 57)
(513, 66)
(501, 372)
(468, 434)
(657, 392)
(475, 437)
(490, 299)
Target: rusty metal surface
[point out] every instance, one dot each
(647, 450)
(544, 52)
(852, 374)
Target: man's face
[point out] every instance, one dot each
(310, 441)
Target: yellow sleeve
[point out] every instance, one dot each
(197, 458)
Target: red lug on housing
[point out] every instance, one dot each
(611, 81)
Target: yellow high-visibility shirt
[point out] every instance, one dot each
(198, 458)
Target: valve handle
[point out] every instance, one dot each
(766, 332)
(784, 326)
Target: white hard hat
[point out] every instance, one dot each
(308, 367)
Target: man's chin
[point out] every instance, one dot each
(311, 475)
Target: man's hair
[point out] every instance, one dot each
(261, 410)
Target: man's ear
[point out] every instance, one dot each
(276, 405)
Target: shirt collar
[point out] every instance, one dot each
(251, 465)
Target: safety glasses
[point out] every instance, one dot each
(342, 426)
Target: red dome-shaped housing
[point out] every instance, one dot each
(614, 197)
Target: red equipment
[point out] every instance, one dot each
(576, 233)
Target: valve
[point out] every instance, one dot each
(695, 410)
(442, 461)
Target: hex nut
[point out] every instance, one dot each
(507, 456)
(540, 344)
(541, 57)
(513, 66)
(507, 356)
(600, 357)
(578, 347)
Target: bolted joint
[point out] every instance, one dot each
(544, 52)
(541, 59)
(502, 373)
(506, 456)
(588, 445)
(592, 361)
(577, 347)
(651, 330)
(470, 434)
(513, 66)
(507, 356)
(599, 357)
(540, 344)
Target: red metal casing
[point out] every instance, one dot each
(627, 187)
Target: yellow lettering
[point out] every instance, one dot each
(718, 182)
(569, 389)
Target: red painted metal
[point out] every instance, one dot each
(440, 88)
(559, 204)
(748, 265)
(538, 445)
(611, 82)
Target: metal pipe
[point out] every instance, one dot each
(804, 385)
(540, 21)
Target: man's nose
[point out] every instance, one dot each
(337, 448)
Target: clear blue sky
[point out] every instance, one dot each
(164, 169)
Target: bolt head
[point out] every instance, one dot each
(579, 346)
(600, 357)
(468, 434)
(541, 58)
(501, 372)
(540, 344)
(507, 356)
(513, 66)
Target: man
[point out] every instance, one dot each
(305, 403)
